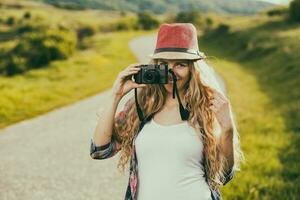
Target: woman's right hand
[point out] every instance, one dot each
(123, 84)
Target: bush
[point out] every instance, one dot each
(208, 23)
(121, 26)
(27, 15)
(37, 49)
(295, 10)
(15, 65)
(125, 23)
(222, 28)
(30, 27)
(86, 31)
(146, 21)
(10, 21)
(193, 17)
(277, 11)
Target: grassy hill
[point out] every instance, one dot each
(163, 6)
(259, 59)
(85, 72)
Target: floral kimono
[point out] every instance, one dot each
(110, 149)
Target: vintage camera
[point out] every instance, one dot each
(152, 74)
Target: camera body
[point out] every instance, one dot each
(152, 74)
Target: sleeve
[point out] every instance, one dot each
(113, 147)
(104, 151)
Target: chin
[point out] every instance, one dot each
(169, 87)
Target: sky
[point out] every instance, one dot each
(278, 1)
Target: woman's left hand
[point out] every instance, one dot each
(220, 106)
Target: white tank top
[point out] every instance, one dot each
(169, 165)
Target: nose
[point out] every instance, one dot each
(171, 65)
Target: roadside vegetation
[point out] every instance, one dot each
(259, 59)
(47, 61)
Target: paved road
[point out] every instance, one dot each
(47, 158)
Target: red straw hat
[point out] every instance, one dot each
(177, 41)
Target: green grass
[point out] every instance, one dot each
(54, 15)
(63, 82)
(259, 60)
(85, 73)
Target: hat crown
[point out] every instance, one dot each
(177, 35)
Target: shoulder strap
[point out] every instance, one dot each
(184, 112)
(138, 108)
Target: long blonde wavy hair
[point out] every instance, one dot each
(196, 93)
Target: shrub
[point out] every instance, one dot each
(222, 28)
(85, 31)
(121, 26)
(277, 11)
(27, 15)
(146, 21)
(208, 23)
(127, 23)
(10, 21)
(295, 10)
(29, 27)
(193, 17)
(37, 49)
(15, 65)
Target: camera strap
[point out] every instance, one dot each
(138, 108)
(184, 112)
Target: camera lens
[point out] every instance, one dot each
(151, 76)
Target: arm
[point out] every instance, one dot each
(107, 145)
(104, 143)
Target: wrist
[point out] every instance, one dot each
(115, 97)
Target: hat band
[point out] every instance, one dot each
(184, 50)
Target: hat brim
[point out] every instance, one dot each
(177, 55)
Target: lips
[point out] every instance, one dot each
(170, 78)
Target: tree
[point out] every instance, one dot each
(146, 21)
(193, 17)
(295, 10)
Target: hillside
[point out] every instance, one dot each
(261, 68)
(163, 6)
(40, 30)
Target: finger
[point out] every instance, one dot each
(131, 70)
(135, 85)
(128, 73)
(134, 69)
(134, 65)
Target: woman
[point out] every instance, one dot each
(172, 157)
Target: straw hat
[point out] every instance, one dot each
(177, 41)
